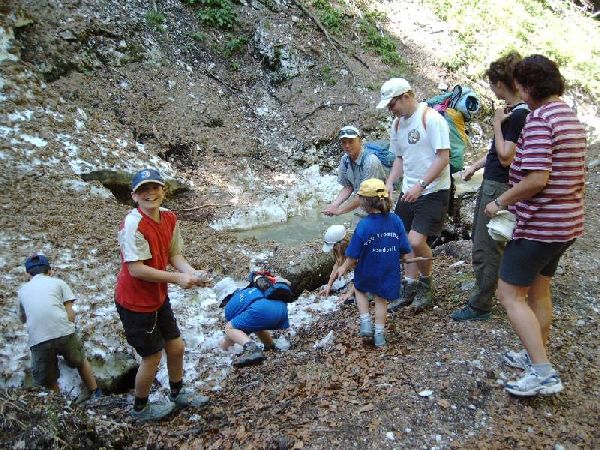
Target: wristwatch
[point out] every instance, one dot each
(498, 204)
(422, 183)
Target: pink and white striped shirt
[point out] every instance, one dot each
(552, 140)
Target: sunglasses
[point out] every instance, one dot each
(347, 133)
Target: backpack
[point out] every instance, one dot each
(381, 149)
(461, 98)
(270, 287)
(457, 107)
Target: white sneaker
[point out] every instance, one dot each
(533, 384)
(519, 360)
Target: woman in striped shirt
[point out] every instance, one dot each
(547, 183)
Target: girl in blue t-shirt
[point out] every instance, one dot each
(376, 247)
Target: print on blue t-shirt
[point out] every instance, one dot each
(378, 243)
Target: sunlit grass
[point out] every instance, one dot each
(488, 28)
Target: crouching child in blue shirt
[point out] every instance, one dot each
(260, 307)
(376, 247)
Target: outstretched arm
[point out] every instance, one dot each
(395, 173)
(69, 308)
(138, 269)
(332, 209)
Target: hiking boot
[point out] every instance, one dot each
(423, 297)
(379, 340)
(252, 354)
(366, 329)
(409, 291)
(153, 411)
(533, 383)
(86, 395)
(518, 360)
(187, 398)
(469, 313)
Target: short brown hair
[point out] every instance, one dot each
(502, 70)
(540, 76)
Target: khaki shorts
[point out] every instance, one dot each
(44, 358)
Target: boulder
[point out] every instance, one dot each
(119, 183)
(305, 266)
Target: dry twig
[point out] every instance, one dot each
(329, 105)
(331, 41)
(206, 205)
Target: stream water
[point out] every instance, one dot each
(298, 229)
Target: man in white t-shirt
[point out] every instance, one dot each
(420, 138)
(45, 305)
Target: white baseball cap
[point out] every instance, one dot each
(224, 288)
(392, 88)
(501, 226)
(333, 235)
(349, 132)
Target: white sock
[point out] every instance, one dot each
(410, 280)
(379, 328)
(543, 370)
(365, 317)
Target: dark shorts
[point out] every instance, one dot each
(44, 361)
(426, 215)
(524, 260)
(147, 332)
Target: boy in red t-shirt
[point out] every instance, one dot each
(149, 239)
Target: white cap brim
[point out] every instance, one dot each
(383, 103)
(327, 247)
(137, 186)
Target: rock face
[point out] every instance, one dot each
(116, 374)
(119, 183)
(306, 267)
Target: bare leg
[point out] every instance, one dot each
(380, 310)
(237, 336)
(540, 302)
(266, 338)
(523, 320)
(418, 243)
(362, 301)
(146, 373)
(87, 375)
(226, 343)
(175, 349)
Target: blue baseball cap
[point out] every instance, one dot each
(146, 176)
(36, 261)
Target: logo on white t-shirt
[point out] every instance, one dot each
(414, 136)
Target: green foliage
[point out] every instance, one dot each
(215, 13)
(487, 28)
(378, 42)
(134, 53)
(328, 76)
(199, 37)
(331, 17)
(234, 45)
(156, 19)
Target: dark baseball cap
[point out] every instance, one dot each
(146, 176)
(36, 261)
